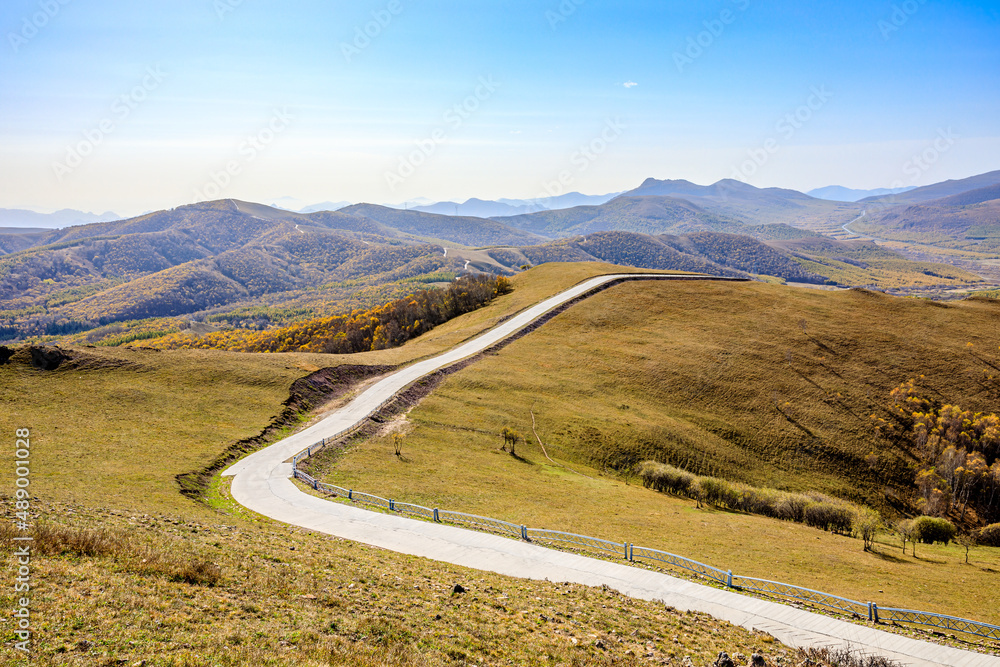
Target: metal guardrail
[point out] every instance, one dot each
(645, 553)
(779, 589)
(485, 522)
(585, 541)
(631, 552)
(941, 621)
(419, 510)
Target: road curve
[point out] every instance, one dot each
(262, 482)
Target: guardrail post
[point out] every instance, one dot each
(436, 517)
(392, 504)
(350, 494)
(631, 549)
(870, 617)
(524, 533)
(729, 579)
(315, 485)
(874, 612)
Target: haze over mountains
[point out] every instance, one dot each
(242, 261)
(840, 193)
(16, 217)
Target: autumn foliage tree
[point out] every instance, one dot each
(361, 330)
(958, 452)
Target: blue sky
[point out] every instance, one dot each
(129, 107)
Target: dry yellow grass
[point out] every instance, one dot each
(760, 383)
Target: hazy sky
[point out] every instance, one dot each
(133, 106)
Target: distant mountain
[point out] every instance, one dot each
(324, 206)
(840, 193)
(745, 203)
(507, 207)
(939, 190)
(465, 230)
(476, 208)
(13, 217)
(648, 214)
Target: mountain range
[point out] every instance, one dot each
(238, 261)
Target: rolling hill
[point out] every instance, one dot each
(967, 220)
(938, 190)
(700, 252)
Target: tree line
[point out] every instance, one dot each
(957, 452)
(361, 330)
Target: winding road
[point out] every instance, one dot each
(262, 482)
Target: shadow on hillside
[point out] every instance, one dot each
(888, 557)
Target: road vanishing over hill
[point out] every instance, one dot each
(262, 482)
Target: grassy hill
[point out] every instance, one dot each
(763, 384)
(161, 578)
(108, 423)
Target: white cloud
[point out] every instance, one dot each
(629, 84)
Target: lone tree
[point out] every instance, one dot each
(397, 444)
(967, 541)
(866, 525)
(908, 533)
(510, 437)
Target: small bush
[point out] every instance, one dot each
(990, 535)
(929, 529)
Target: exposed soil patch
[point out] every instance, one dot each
(305, 394)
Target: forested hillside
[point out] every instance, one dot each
(232, 263)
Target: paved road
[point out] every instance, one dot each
(261, 482)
